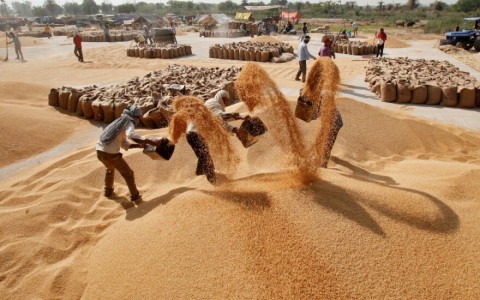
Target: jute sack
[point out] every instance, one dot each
(253, 56)
(87, 109)
(211, 52)
(219, 52)
(265, 56)
(119, 107)
(181, 51)
(449, 96)
(246, 55)
(275, 53)
(159, 53)
(148, 53)
(419, 94)
(376, 87)
(188, 50)
(388, 91)
(142, 53)
(164, 53)
(236, 54)
(97, 110)
(53, 97)
(225, 53)
(434, 95)
(404, 94)
(231, 53)
(108, 110)
(477, 96)
(241, 54)
(354, 50)
(79, 110)
(73, 101)
(258, 56)
(466, 97)
(137, 52)
(63, 98)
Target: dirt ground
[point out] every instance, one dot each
(395, 214)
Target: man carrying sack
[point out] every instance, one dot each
(112, 139)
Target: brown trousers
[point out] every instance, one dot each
(302, 70)
(116, 161)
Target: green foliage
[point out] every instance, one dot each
(126, 8)
(444, 24)
(106, 8)
(23, 8)
(89, 7)
(39, 11)
(72, 9)
(53, 9)
(467, 5)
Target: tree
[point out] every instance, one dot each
(412, 4)
(53, 9)
(467, 5)
(126, 8)
(23, 9)
(89, 7)
(39, 11)
(106, 8)
(72, 9)
(439, 5)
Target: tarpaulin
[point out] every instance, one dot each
(292, 15)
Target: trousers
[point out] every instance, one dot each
(205, 162)
(116, 161)
(302, 70)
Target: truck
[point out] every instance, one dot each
(466, 39)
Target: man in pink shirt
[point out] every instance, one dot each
(77, 40)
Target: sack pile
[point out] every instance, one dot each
(354, 47)
(250, 51)
(160, 51)
(151, 93)
(421, 81)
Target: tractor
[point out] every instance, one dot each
(466, 38)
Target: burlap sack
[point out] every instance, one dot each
(354, 50)
(53, 97)
(108, 110)
(97, 110)
(404, 94)
(419, 94)
(466, 97)
(246, 55)
(258, 56)
(211, 52)
(434, 95)
(87, 109)
(63, 98)
(188, 50)
(265, 56)
(119, 106)
(477, 96)
(449, 96)
(236, 54)
(231, 53)
(388, 91)
(142, 53)
(73, 101)
(253, 56)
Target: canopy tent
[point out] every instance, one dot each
(244, 16)
(264, 7)
(209, 20)
(292, 15)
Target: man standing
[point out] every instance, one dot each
(18, 46)
(303, 56)
(106, 32)
(355, 28)
(381, 38)
(112, 139)
(77, 41)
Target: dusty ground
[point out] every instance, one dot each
(394, 216)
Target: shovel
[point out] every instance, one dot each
(6, 44)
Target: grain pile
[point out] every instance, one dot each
(151, 93)
(422, 81)
(115, 36)
(160, 51)
(251, 51)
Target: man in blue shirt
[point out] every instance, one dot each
(303, 56)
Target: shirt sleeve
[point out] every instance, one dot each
(130, 133)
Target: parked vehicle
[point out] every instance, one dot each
(466, 38)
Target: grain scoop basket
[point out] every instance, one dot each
(162, 151)
(307, 110)
(250, 131)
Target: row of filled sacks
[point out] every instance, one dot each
(113, 37)
(429, 94)
(355, 49)
(242, 54)
(91, 105)
(164, 53)
(217, 33)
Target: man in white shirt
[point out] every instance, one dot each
(303, 56)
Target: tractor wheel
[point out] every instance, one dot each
(461, 45)
(476, 45)
(468, 46)
(444, 42)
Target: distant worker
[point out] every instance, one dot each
(303, 56)
(17, 44)
(47, 31)
(243, 29)
(106, 32)
(381, 39)
(77, 41)
(355, 28)
(140, 39)
(174, 31)
(326, 50)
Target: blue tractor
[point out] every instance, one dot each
(466, 38)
